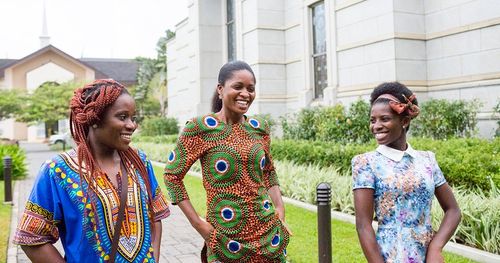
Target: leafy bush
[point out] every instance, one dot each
(464, 162)
(329, 123)
(18, 160)
(496, 110)
(358, 120)
(161, 139)
(323, 154)
(301, 125)
(154, 126)
(443, 119)
(480, 225)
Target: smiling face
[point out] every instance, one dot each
(238, 93)
(115, 129)
(388, 126)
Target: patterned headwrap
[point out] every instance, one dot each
(400, 107)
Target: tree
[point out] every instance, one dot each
(48, 103)
(152, 77)
(10, 103)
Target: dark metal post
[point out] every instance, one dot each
(64, 145)
(324, 197)
(7, 168)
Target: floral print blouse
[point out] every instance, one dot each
(403, 184)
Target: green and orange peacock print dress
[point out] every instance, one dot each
(237, 172)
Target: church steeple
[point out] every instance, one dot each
(44, 38)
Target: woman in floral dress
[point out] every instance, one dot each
(399, 184)
(245, 213)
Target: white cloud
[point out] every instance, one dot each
(88, 28)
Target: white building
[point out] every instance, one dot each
(309, 52)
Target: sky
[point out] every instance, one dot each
(88, 28)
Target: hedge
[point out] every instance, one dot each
(464, 162)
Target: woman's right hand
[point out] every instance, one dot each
(204, 228)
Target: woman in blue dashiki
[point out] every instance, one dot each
(76, 196)
(399, 184)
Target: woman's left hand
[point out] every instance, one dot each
(434, 256)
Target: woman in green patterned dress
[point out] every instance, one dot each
(245, 220)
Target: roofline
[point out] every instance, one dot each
(44, 49)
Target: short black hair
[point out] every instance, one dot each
(395, 89)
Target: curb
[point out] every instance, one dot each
(458, 249)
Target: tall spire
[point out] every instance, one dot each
(44, 38)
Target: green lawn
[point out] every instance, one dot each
(303, 246)
(4, 224)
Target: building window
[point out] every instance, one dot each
(319, 48)
(231, 31)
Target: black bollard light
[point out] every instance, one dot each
(324, 197)
(7, 169)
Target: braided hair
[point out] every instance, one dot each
(88, 106)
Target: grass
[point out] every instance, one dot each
(303, 246)
(5, 211)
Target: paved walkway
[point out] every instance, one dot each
(180, 242)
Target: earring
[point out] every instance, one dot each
(220, 96)
(94, 126)
(404, 127)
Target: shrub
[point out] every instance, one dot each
(154, 126)
(331, 123)
(464, 162)
(300, 125)
(496, 114)
(442, 119)
(160, 139)
(18, 160)
(323, 154)
(358, 121)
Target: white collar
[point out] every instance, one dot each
(396, 155)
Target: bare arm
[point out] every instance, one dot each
(157, 240)
(43, 253)
(363, 207)
(451, 219)
(202, 226)
(275, 194)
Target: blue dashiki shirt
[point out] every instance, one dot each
(58, 208)
(403, 184)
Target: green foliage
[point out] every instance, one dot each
(358, 120)
(18, 160)
(443, 119)
(323, 154)
(48, 103)
(332, 123)
(464, 162)
(300, 126)
(496, 110)
(5, 214)
(480, 225)
(152, 80)
(10, 103)
(154, 126)
(160, 139)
